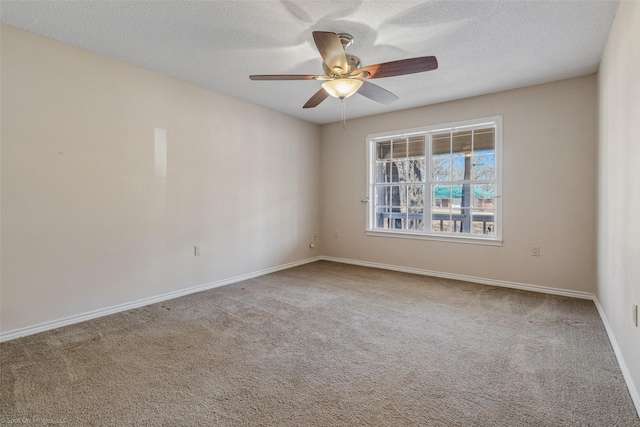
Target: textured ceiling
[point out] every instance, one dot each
(481, 46)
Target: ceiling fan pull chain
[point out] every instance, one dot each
(344, 116)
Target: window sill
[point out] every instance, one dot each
(472, 240)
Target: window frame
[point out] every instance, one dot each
(427, 233)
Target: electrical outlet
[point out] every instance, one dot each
(634, 313)
(196, 250)
(535, 250)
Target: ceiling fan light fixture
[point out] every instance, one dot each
(342, 88)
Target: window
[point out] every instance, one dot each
(441, 182)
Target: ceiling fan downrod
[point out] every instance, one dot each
(345, 39)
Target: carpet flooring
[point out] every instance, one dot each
(325, 344)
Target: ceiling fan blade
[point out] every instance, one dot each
(331, 50)
(401, 67)
(316, 99)
(376, 93)
(284, 77)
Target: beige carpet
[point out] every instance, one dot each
(326, 344)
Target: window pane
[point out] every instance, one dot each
(484, 167)
(484, 140)
(458, 167)
(466, 196)
(462, 220)
(399, 148)
(439, 224)
(416, 171)
(441, 208)
(397, 219)
(441, 144)
(382, 217)
(456, 196)
(383, 172)
(383, 150)
(383, 195)
(398, 196)
(483, 196)
(416, 219)
(461, 141)
(417, 146)
(415, 195)
(483, 222)
(461, 151)
(402, 167)
(441, 196)
(441, 168)
(395, 169)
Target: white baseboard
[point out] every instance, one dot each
(30, 330)
(481, 280)
(633, 390)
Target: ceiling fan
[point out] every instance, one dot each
(344, 76)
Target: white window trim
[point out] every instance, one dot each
(495, 240)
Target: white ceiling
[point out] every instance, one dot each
(481, 46)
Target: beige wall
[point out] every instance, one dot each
(87, 224)
(619, 186)
(549, 183)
